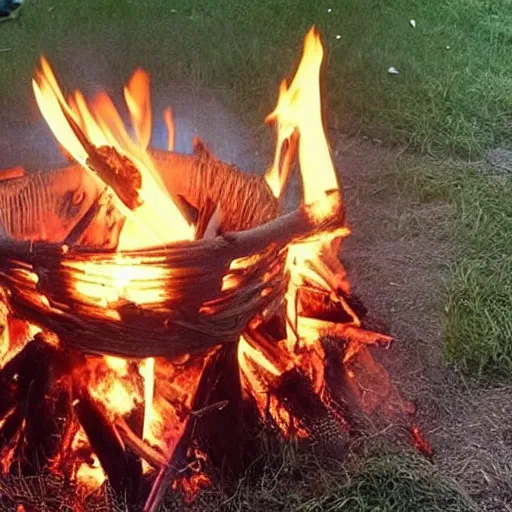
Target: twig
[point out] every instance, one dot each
(218, 406)
(142, 449)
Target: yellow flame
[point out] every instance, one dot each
(158, 220)
(299, 108)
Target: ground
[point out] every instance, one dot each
(430, 246)
(399, 263)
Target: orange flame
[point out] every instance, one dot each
(299, 108)
(157, 220)
(169, 123)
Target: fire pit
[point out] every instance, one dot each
(157, 306)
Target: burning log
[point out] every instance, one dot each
(123, 475)
(178, 460)
(296, 394)
(225, 411)
(38, 413)
(204, 262)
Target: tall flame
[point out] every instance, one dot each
(157, 220)
(299, 109)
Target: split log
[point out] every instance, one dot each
(33, 422)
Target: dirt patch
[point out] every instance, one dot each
(399, 269)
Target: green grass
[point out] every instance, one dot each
(455, 100)
(478, 310)
(387, 482)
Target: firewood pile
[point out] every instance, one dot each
(150, 357)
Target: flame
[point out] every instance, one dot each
(88, 471)
(111, 383)
(299, 109)
(157, 220)
(147, 370)
(169, 123)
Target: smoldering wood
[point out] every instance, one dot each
(25, 380)
(295, 393)
(37, 443)
(123, 476)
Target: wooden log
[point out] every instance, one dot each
(220, 430)
(124, 477)
(295, 393)
(175, 330)
(44, 399)
(178, 460)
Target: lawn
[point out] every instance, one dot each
(453, 91)
(451, 98)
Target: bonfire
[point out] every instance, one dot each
(161, 308)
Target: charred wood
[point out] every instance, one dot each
(123, 476)
(295, 393)
(221, 431)
(182, 458)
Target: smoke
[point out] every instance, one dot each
(200, 113)
(197, 113)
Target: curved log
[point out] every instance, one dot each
(47, 205)
(42, 282)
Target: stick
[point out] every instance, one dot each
(177, 459)
(153, 457)
(81, 227)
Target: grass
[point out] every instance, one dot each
(291, 482)
(454, 100)
(479, 319)
(478, 328)
(385, 482)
